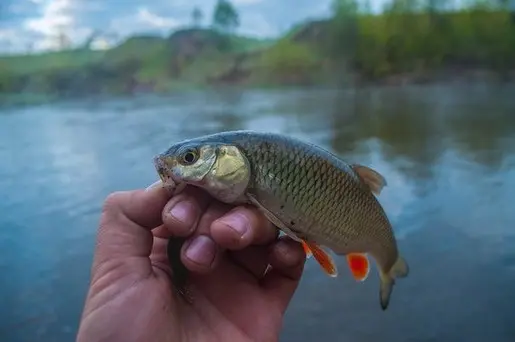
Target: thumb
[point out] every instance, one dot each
(287, 260)
(126, 223)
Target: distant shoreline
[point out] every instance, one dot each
(445, 77)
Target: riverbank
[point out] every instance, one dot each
(348, 50)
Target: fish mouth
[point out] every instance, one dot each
(163, 170)
(166, 176)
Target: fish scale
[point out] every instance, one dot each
(304, 189)
(325, 196)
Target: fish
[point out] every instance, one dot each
(309, 193)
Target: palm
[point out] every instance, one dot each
(226, 302)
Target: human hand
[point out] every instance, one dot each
(131, 297)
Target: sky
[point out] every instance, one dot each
(34, 24)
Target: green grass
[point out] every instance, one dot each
(139, 47)
(34, 63)
(249, 44)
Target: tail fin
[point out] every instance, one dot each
(399, 270)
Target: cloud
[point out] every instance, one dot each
(256, 25)
(154, 20)
(7, 34)
(245, 2)
(144, 21)
(56, 14)
(38, 22)
(56, 17)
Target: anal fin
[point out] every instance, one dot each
(359, 265)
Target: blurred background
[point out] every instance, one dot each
(423, 91)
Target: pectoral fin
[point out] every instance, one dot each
(373, 179)
(311, 249)
(272, 218)
(324, 259)
(359, 265)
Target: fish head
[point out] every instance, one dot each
(188, 163)
(220, 169)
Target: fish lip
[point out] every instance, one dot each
(164, 172)
(168, 181)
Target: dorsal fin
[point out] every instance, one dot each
(373, 179)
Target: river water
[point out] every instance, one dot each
(448, 154)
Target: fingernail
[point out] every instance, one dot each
(201, 250)
(183, 212)
(154, 185)
(237, 222)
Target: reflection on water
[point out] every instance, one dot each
(448, 155)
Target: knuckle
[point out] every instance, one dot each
(187, 198)
(251, 215)
(181, 198)
(112, 202)
(263, 223)
(257, 215)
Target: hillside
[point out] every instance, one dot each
(396, 47)
(189, 57)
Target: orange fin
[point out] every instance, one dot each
(307, 250)
(373, 179)
(323, 258)
(359, 265)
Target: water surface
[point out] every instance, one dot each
(448, 154)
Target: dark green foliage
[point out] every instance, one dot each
(413, 36)
(225, 16)
(196, 16)
(289, 62)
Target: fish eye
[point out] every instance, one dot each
(189, 157)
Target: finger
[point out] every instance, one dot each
(142, 207)
(200, 253)
(287, 260)
(159, 257)
(126, 220)
(182, 213)
(253, 259)
(161, 232)
(241, 227)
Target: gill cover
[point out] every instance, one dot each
(229, 176)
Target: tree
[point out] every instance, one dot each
(63, 40)
(225, 16)
(511, 9)
(196, 16)
(344, 29)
